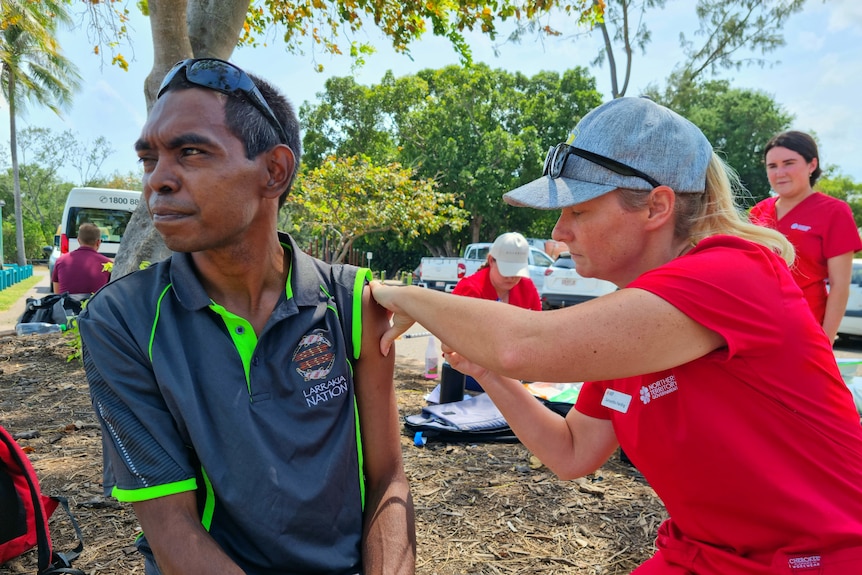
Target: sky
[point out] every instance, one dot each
(816, 76)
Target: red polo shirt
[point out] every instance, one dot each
(478, 285)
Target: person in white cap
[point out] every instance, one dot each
(505, 275)
(707, 366)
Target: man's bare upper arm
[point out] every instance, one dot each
(375, 393)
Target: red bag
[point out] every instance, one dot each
(24, 512)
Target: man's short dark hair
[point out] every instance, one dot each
(89, 234)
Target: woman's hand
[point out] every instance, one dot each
(463, 364)
(385, 294)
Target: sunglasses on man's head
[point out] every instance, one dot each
(555, 161)
(226, 78)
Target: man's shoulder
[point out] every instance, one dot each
(140, 289)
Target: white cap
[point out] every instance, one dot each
(511, 251)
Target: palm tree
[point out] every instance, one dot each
(31, 67)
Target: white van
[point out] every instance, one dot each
(110, 210)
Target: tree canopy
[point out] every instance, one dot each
(844, 188)
(737, 122)
(346, 198)
(33, 68)
(730, 35)
(477, 132)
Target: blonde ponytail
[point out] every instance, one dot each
(718, 213)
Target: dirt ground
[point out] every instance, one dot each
(480, 508)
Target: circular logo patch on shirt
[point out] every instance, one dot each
(314, 356)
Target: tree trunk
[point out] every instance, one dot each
(16, 178)
(476, 228)
(181, 29)
(170, 42)
(214, 26)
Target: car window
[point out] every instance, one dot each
(479, 253)
(111, 223)
(565, 263)
(856, 278)
(541, 259)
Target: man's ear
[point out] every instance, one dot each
(280, 163)
(661, 203)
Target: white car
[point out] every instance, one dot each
(52, 259)
(564, 286)
(851, 323)
(540, 263)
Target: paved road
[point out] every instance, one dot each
(8, 318)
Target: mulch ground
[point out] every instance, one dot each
(487, 508)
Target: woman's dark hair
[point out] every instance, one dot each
(802, 144)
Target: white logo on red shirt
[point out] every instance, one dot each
(645, 396)
(800, 227)
(810, 562)
(658, 389)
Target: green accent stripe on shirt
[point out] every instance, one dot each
(147, 493)
(288, 288)
(243, 336)
(359, 455)
(362, 275)
(156, 321)
(209, 502)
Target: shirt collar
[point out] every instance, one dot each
(303, 278)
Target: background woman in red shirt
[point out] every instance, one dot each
(504, 276)
(820, 227)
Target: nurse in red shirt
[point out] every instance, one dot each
(505, 276)
(820, 227)
(707, 366)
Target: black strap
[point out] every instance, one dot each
(62, 562)
(55, 570)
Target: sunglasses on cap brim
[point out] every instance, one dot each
(555, 161)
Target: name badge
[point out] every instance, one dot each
(616, 400)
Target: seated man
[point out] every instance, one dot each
(247, 412)
(82, 270)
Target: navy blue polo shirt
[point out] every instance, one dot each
(265, 430)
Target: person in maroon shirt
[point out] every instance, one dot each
(82, 270)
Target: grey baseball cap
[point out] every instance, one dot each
(620, 138)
